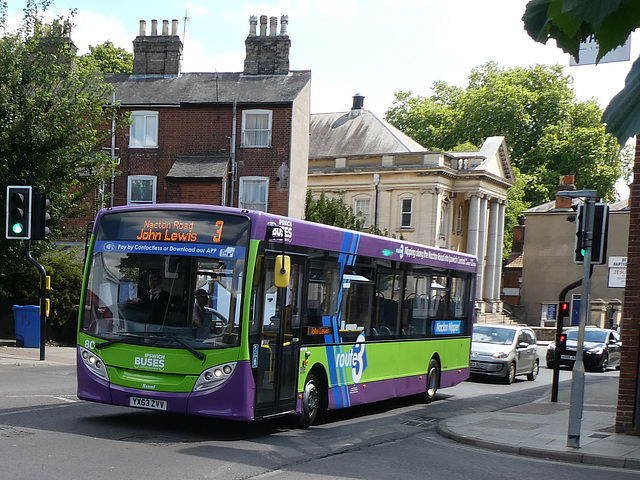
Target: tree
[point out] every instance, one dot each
(331, 211)
(107, 58)
(548, 132)
(570, 22)
(54, 119)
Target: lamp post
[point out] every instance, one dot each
(376, 182)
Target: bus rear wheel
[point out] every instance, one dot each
(433, 381)
(313, 402)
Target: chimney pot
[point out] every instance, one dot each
(253, 22)
(154, 28)
(273, 26)
(174, 27)
(143, 28)
(165, 27)
(358, 102)
(263, 25)
(284, 23)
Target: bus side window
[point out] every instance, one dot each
(387, 304)
(357, 297)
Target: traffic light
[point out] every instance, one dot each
(578, 254)
(40, 216)
(563, 310)
(600, 234)
(562, 342)
(18, 223)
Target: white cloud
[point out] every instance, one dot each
(92, 29)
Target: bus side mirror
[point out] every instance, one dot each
(282, 271)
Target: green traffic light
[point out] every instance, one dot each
(17, 228)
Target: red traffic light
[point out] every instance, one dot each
(563, 309)
(562, 341)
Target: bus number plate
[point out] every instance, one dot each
(151, 403)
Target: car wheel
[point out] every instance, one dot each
(604, 364)
(534, 372)
(511, 374)
(549, 364)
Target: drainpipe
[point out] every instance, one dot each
(113, 150)
(233, 151)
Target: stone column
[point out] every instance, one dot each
(497, 292)
(482, 251)
(492, 261)
(472, 225)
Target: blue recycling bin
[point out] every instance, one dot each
(27, 325)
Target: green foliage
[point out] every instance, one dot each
(548, 132)
(331, 211)
(54, 117)
(610, 23)
(513, 213)
(107, 58)
(65, 270)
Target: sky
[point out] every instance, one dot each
(371, 47)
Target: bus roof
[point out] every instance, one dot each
(317, 235)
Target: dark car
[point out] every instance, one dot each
(504, 351)
(601, 349)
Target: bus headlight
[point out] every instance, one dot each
(214, 376)
(94, 363)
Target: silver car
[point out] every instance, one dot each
(504, 351)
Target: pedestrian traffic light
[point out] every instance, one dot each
(18, 216)
(599, 237)
(40, 216)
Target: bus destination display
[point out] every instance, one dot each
(176, 231)
(171, 226)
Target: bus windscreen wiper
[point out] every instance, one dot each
(118, 339)
(171, 336)
(145, 335)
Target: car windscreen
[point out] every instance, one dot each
(495, 335)
(591, 336)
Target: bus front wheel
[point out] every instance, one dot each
(313, 403)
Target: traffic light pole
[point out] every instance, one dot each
(577, 378)
(559, 328)
(43, 296)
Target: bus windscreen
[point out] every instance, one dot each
(167, 278)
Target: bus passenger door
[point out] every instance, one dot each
(276, 380)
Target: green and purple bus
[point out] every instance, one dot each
(245, 315)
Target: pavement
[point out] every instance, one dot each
(538, 429)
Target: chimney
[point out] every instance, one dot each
(357, 108)
(267, 53)
(565, 183)
(157, 54)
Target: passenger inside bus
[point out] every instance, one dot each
(200, 316)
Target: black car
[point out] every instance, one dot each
(601, 349)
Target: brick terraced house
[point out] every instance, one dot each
(237, 139)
